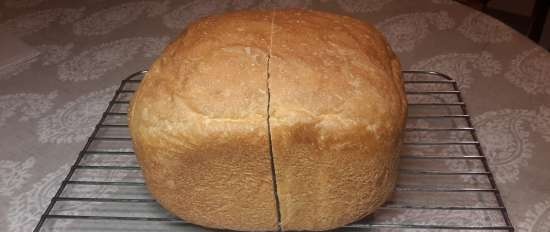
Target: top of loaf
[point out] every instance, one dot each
(335, 73)
(331, 70)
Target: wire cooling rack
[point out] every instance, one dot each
(445, 183)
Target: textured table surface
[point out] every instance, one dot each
(49, 105)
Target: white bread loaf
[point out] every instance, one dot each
(337, 107)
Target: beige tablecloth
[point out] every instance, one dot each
(50, 104)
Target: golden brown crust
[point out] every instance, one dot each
(198, 123)
(337, 112)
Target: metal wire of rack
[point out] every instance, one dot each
(445, 182)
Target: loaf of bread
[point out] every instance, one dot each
(260, 120)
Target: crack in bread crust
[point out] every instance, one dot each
(271, 155)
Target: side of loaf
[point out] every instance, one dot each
(267, 120)
(337, 111)
(198, 124)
